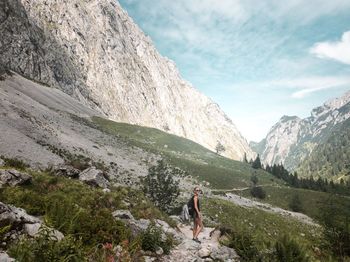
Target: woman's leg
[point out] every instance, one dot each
(195, 226)
(199, 226)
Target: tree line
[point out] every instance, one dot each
(293, 180)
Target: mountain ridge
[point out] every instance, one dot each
(95, 52)
(291, 140)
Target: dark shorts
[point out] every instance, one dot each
(195, 215)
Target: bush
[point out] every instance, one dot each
(295, 204)
(160, 186)
(288, 250)
(71, 207)
(335, 217)
(258, 192)
(151, 240)
(244, 245)
(45, 248)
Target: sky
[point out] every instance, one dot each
(258, 59)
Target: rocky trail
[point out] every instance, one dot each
(208, 250)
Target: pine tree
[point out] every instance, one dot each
(245, 160)
(219, 148)
(161, 187)
(257, 163)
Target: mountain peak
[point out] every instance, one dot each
(93, 51)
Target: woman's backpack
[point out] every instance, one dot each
(190, 206)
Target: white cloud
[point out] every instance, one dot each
(339, 51)
(300, 87)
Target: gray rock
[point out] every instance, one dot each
(169, 230)
(2, 162)
(204, 252)
(138, 226)
(224, 253)
(22, 223)
(12, 177)
(159, 251)
(33, 230)
(123, 214)
(94, 177)
(67, 171)
(15, 216)
(149, 259)
(4, 257)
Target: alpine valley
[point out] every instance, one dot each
(102, 143)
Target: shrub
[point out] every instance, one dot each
(161, 187)
(254, 179)
(335, 217)
(295, 204)
(45, 248)
(244, 245)
(288, 250)
(16, 163)
(258, 192)
(152, 239)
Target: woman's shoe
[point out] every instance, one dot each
(196, 239)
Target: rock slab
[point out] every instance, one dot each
(12, 177)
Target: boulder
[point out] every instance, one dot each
(159, 251)
(204, 252)
(2, 162)
(94, 177)
(138, 226)
(33, 230)
(122, 214)
(12, 177)
(147, 259)
(22, 223)
(4, 257)
(67, 171)
(15, 216)
(169, 230)
(224, 253)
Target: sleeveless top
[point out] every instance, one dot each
(198, 205)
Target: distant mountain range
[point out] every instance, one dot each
(317, 145)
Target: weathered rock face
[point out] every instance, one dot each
(21, 223)
(292, 139)
(94, 177)
(13, 177)
(93, 51)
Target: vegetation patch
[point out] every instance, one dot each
(82, 213)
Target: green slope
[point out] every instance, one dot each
(199, 162)
(331, 159)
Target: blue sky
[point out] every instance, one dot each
(257, 59)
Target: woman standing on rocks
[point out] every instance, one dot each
(197, 216)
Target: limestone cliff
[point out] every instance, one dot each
(291, 140)
(93, 51)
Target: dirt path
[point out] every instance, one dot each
(208, 250)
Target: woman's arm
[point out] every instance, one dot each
(195, 200)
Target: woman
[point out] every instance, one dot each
(197, 217)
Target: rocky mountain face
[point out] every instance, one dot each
(291, 140)
(93, 51)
